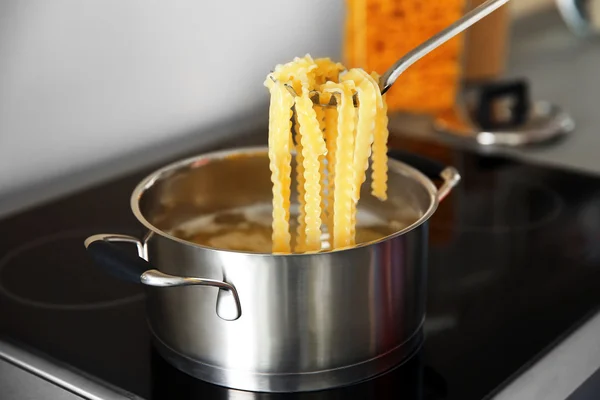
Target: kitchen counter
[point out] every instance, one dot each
(561, 68)
(25, 375)
(570, 370)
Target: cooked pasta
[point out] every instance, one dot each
(331, 121)
(379, 155)
(280, 156)
(333, 146)
(344, 182)
(367, 112)
(301, 227)
(313, 148)
(320, 112)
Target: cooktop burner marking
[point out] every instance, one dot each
(520, 206)
(54, 272)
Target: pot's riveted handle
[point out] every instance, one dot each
(138, 270)
(430, 168)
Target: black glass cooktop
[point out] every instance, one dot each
(514, 264)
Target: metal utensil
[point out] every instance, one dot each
(389, 77)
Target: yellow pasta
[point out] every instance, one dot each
(299, 75)
(344, 181)
(331, 121)
(333, 146)
(367, 92)
(320, 112)
(379, 154)
(301, 227)
(313, 147)
(365, 127)
(280, 160)
(327, 70)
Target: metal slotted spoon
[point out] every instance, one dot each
(389, 77)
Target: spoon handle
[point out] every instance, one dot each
(478, 13)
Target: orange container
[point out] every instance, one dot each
(378, 32)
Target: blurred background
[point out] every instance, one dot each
(86, 84)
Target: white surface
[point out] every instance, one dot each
(24, 376)
(561, 371)
(18, 384)
(84, 81)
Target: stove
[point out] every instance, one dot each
(514, 267)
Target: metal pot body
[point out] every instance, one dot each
(281, 323)
(307, 322)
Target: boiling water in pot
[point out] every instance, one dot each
(249, 228)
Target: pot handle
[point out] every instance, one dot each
(138, 270)
(430, 168)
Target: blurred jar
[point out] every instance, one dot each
(378, 32)
(581, 16)
(486, 45)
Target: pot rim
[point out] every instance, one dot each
(199, 160)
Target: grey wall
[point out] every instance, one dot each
(85, 81)
(88, 87)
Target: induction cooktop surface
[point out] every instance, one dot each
(513, 266)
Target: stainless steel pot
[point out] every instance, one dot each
(276, 323)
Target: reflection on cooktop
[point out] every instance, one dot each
(411, 381)
(514, 262)
(519, 206)
(54, 272)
